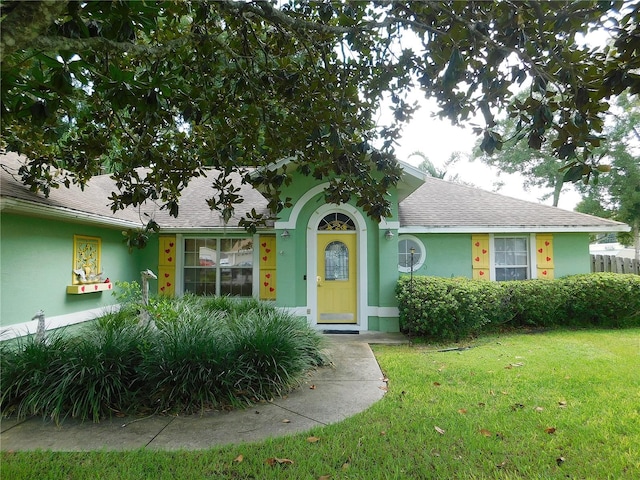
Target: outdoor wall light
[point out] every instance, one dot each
(388, 235)
(285, 234)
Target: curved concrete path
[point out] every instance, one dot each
(350, 385)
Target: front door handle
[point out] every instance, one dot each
(319, 280)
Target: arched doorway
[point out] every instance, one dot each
(337, 280)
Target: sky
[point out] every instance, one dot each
(438, 139)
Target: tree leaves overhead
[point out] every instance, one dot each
(616, 193)
(178, 86)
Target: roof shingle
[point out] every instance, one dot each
(436, 205)
(441, 204)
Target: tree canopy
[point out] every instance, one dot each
(617, 194)
(176, 86)
(430, 169)
(539, 168)
(612, 190)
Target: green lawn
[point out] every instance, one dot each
(562, 404)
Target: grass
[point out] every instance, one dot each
(561, 404)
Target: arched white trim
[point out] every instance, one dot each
(297, 208)
(361, 268)
(304, 199)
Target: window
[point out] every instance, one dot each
(511, 258)
(407, 259)
(218, 266)
(336, 221)
(336, 261)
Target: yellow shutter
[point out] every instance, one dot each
(480, 256)
(166, 266)
(544, 256)
(267, 267)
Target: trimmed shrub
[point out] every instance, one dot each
(603, 299)
(533, 303)
(447, 308)
(452, 309)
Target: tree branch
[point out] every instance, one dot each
(79, 45)
(26, 22)
(523, 56)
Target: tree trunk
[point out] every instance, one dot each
(636, 239)
(557, 189)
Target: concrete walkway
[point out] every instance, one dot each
(330, 394)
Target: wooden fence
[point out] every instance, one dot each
(610, 263)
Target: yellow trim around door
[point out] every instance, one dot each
(337, 278)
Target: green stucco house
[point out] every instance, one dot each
(328, 263)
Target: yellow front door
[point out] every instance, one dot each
(336, 280)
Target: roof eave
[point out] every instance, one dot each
(14, 205)
(412, 179)
(516, 229)
(205, 230)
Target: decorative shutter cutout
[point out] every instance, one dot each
(480, 257)
(267, 267)
(167, 266)
(544, 256)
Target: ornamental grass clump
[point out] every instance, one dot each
(186, 365)
(198, 353)
(271, 351)
(27, 365)
(98, 375)
(85, 377)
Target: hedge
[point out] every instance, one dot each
(455, 308)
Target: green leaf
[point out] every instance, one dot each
(573, 174)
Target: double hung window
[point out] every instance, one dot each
(511, 258)
(218, 266)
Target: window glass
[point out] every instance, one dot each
(337, 221)
(236, 282)
(506, 274)
(511, 258)
(200, 281)
(406, 260)
(218, 266)
(207, 252)
(336, 261)
(236, 252)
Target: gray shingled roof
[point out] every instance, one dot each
(93, 202)
(66, 202)
(444, 206)
(194, 213)
(436, 206)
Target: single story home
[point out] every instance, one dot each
(328, 263)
